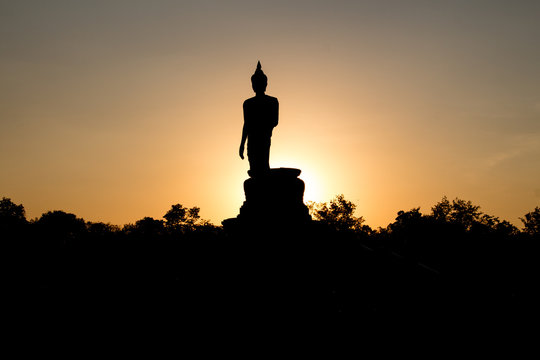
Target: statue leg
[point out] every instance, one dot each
(265, 155)
(258, 157)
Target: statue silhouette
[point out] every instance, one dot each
(260, 118)
(274, 197)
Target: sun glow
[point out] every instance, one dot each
(312, 179)
(312, 190)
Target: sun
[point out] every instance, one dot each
(312, 190)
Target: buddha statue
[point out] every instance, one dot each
(260, 118)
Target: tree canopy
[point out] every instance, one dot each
(338, 214)
(531, 222)
(11, 213)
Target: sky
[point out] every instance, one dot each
(115, 110)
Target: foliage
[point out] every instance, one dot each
(458, 212)
(11, 213)
(59, 229)
(60, 222)
(100, 229)
(180, 218)
(146, 227)
(407, 221)
(531, 222)
(339, 214)
(441, 211)
(412, 216)
(489, 223)
(469, 217)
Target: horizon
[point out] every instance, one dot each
(117, 110)
(520, 227)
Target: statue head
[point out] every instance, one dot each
(259, 80)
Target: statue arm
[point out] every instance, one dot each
(244, 136)
(243, 142)
(276, 114)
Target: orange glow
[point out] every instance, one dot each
(390, 108)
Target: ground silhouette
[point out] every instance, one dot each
(453, 264)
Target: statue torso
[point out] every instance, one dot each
(260, 116)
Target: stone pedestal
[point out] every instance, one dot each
(273, 199)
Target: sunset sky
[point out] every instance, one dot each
(115, 110)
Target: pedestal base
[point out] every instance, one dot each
(273, 199)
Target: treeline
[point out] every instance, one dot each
(339, 213)
(60, 250)
(480, 265)
(451, 231)
(453, 261)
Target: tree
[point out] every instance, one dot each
(176, 215)
(61, 227)
(11, 214)
(101, 229)
(408, 224)
(469, 217)
(148, 227)
(494, 225)
(338, 214)
(407, 219)
(441, 211)
(180, 217)
(459, 212)
(531, 222)
(465, 213)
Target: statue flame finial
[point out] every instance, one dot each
(259, 75)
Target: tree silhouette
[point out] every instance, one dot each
(531, 222)
(459, 212)
(469, 217)
(11, 214)
(184, 219)
(101, 229)
(407, 218)
(61, 226)
(146, 227)
(441, 211)
(465, 213)
(339, 214)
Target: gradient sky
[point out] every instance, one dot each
(115, 110)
